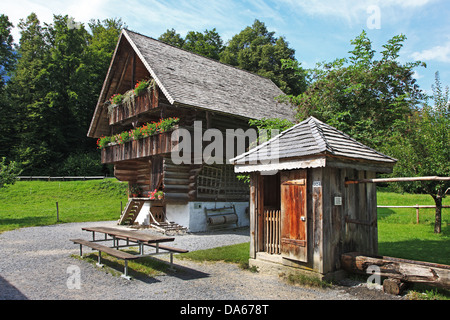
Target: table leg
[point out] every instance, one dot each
(141, 248)
(99, 263)
(125, 271)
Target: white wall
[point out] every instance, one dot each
(143, 217)
(192, 214)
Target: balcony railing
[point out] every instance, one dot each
(142, 103)
(136, 149)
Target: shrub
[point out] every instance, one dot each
(82, 164)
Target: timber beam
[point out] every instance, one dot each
(402, 269)
(400, 179)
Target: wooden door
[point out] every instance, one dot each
(294, 219)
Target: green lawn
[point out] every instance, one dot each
(33, 203)
(400, 236)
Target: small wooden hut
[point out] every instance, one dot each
(302, 213)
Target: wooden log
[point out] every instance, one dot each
(400, 179)
(176, 175)
(168, 181)
(405, 270)
(182, 197)
(394, 286)
(176, 188)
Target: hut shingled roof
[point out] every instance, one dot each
(311, 137)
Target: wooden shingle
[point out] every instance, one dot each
(191, 79)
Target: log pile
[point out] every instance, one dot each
(398, 271)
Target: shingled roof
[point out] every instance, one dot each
(311, 137)
(190, 79)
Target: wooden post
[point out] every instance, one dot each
(417, 214)
(57, 212)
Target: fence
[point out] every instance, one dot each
(272, 231)
(417, 207)
(48, 178)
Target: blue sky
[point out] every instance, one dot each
(318, 30)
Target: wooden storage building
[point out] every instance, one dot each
(194, 89)
(303, 215)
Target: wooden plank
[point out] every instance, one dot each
(300, 182)
(317, 218)
(294, 217)
(253, 215)
(111, 251)
(132, 235)
(138, 149)
(163, 247)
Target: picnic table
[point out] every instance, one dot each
(132, 238)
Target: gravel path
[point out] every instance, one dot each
(36, 264)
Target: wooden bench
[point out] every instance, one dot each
(111, 251)
(170, 249)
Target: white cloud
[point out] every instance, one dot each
(80, 10)
(416, 75)
(437, 53)
(350, 10)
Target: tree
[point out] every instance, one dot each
(172, 37)
(59, 74)
(27, 89)
(423, 149)
(257, 50)
(7, 64)
(368, 99)
(208, 44)
(7, 52)
(8, 173)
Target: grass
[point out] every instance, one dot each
(305, 280)
(236, 253)
(33, 203)
(145, 268)
(400, 236)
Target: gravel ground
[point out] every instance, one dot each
(36, 264)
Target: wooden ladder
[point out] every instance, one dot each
(131, 211)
